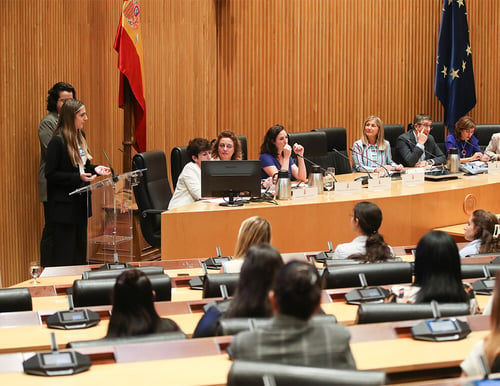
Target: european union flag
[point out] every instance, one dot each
(454, 85)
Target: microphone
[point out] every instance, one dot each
(425, 151)
(314, 164)
(364, 179)
(368, 159)
(113, 175)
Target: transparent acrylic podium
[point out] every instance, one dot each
(110, 231)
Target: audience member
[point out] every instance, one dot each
(418, 147)
(68, 168)
(133, 310)
(260, 265)
(489, 347)
(291, 339)
(253, 230)
(57, 95)
(227, 147)
(437, 274)
(276, 155)
(369, 245)
(372, 153)
(188, 188)
(493, 148)
(465, 141)
(482, 230)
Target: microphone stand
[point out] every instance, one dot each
(368, 159)
(425, 151)
(364, 178)
(314, 164)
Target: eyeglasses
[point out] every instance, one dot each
(227, 146)
(425, 124)
(468, 131)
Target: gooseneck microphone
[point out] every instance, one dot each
(113, 175)
(368, 159)
(314, 164)
(364, 178)
(425, 151)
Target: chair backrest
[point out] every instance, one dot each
(244, 146)
(15, 299)
(114, 273)
(336, 138)
(252, 373)
(392, 312)
(472, 271)
(159, 337)
(315, 146)
(391, 134)
(346, 276)
(232, 326)
(178, 159)
(484, 133)
(99, 292)
(212, 283)
(152, 192)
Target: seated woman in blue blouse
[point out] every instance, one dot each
(465, 142)
(276, 155)
(372, 153)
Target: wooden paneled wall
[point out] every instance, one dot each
(219, 64)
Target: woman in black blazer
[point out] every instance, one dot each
(68, 168)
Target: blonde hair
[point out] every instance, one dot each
(492, 340)
(253, 230)
(380, 135)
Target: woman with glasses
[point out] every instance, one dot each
(465, 142)
(227, 147)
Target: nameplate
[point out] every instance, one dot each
(347, 187)
(494, 167)
(413, 177)
(304, 192)
(381, 183)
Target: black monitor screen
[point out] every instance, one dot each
(230, 178)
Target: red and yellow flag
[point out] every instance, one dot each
(128, 44)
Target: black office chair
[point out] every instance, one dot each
(315, 146)
(160, 337)
(244, 146)
(212, 283)
(178, 159)
(99, 292)
(15, 299)
(114, 273)
(391, 134)
(345, 276)
(392, 312)
(152, 194)
(253, 373)
(473, 271)
(484, 132)
(336, 138)
(232, 326)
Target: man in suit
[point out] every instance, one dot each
(418, 147)
(290, 338)
(57, 95)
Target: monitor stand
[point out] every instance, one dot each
(231, 201)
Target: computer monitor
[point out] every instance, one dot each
(230, 179)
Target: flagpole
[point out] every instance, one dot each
(128, 116)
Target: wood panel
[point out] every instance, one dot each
(219, 64)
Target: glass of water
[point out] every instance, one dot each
(35, 271)
(329, 179)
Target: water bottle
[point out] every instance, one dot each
(453, 163)
(283, 186)
(316, 178)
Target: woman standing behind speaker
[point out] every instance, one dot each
(68, 168)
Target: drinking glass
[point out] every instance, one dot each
(35, 271)
(329, 179)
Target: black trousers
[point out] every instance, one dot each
(69, 245)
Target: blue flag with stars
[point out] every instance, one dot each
(454, 85)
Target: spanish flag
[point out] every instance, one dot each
(128, 44)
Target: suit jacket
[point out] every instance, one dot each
(45, 130)
(63, 178)
(408, 154)
(292, 341)
(493, 149)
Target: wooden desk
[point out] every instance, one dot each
(194, 231)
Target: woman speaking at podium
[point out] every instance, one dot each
(68, 168)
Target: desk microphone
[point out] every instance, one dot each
(113, 175)
(364, 179)
(314, 164)
(368, 159)
(425, 151)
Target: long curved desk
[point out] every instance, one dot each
(195, 230)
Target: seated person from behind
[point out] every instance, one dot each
(253, 230)
(251, 299)
(482, 230)
(227, 147)
(437, 274)
(493, 148)
(372, 153)
(369, 245)
(489, 346)
(465, 141)
(276, 155)
(290, 338)
(418, 147)
(188, 187)
(133, 311)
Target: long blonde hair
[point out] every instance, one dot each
(492, 340)
(72, 136)
(253, 230)
(380, 135)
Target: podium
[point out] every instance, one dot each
(113, 234)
